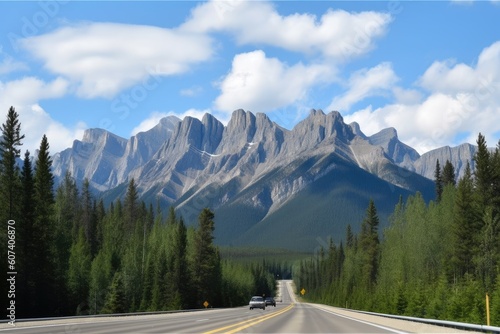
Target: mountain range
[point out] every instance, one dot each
(267, 185)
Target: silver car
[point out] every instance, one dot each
(257, 302)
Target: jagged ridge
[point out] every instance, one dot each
(252, 167)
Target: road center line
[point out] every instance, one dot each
(248, 323)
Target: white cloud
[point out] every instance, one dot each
(9, 64)
(451, 77)
(24, 95)
(365, 83)
(29, 90)
(337, 34)
(261, 84)
(101, 59)
(35, 122)
(462, 100)
(407, 96)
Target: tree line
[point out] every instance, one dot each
(73, 255)
(435, 260)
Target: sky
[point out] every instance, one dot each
(430, 69)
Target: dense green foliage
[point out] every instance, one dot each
(436, 260)
(75, 256)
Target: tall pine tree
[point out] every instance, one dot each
(448, 174)
(26, 240)
(483, 174)
(10, 179)
(43, 252)
(369, 243)
(131, 207)
(205, 265)
(465, 227)
(438, 179)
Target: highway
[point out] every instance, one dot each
(289, 316)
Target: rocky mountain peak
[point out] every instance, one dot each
(168, 121)
(356, 129)
(179, 157)
(319, 126)
(399, 153)
(94, 135)
(316, 112)
(242, 121)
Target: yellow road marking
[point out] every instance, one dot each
(251, 322)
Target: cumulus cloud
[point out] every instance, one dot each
(24, 95)
(262, 84)
(101, 59)
(365, 83)
(30, 90)
(9, 64)
(336, 34)
(462, 99)
(451, 77)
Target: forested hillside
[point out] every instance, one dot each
(436, 260)
(67, 253)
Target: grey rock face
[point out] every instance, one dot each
(106, 159)
(177, 160)
(458, 156)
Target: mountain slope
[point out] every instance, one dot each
(259, 178)
(106, 159)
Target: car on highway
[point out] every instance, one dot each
(257, 302)
(270, 301)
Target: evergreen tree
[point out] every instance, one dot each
(10, 180)
(26, 240)
(205, 265)
(438, 180)
(131, 207)
(88, 217)
(495, 182)
(465, 227)
(483, 174)
(349, 237)
(448, 174)
(369, 243)
(79, 273)
(180, 277)
(66, 211)
(101, 276)
(100, 215)
(486, 259)
(116, 299)
(43, 252)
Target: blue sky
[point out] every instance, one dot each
(429, 69)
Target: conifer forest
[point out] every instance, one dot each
(435, 260)
(69, 254)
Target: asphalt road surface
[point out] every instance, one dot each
(289, 316)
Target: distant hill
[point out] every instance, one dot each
(268, 186)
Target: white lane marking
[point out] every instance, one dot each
(46, 326)
(363, 322)
(202, 320)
